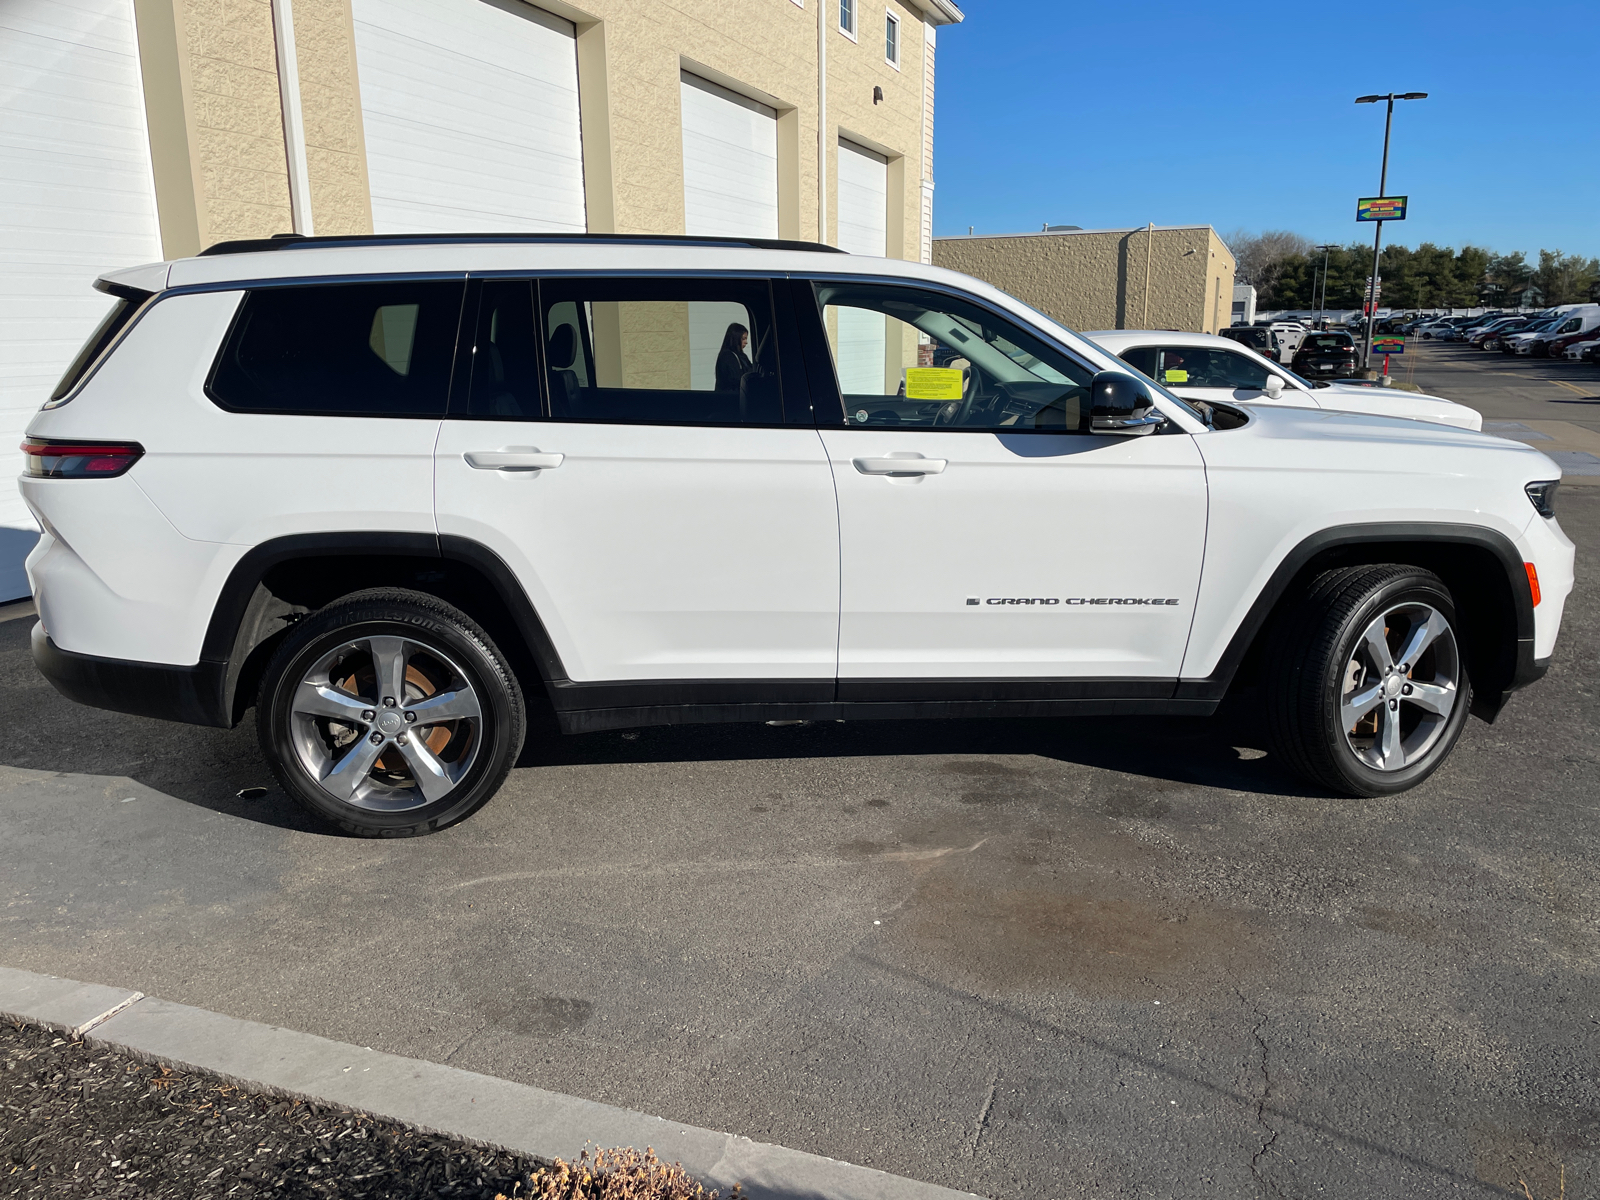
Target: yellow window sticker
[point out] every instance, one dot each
(933, 383)
(1176, 376)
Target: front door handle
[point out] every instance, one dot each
(901, 464)
(513, 459)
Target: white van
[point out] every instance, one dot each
(1579, 319)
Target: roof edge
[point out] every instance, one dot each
(1041, 233)
(291, 241)
(940, 12)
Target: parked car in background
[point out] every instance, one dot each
(1510, 343)
(1577, 320)
(1582, 351)
(1216, 370)
(1277, 340)
(1331, 355)
(1481, 335)
(1556, 347)
(1430, 330)
(1465, 326)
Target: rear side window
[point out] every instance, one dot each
(366, 349)
(113, 323)
(660, 351)
(1196, 366)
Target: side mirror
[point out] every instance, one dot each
(1274, 386)
(1121, 403)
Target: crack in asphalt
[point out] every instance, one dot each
(1261, 1100)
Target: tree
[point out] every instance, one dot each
(1286, 271)
(1506, 278)
(1564, 278)
(1259, 259)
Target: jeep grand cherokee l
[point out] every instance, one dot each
(386, 489)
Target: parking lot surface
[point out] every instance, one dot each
(1047, 958)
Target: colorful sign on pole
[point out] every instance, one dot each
(1381, 208)
(1388, 345)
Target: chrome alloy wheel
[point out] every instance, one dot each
(1400, 686)
(386, 723)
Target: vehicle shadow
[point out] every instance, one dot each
(212, 767)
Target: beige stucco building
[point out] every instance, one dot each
(1160, 277)
(224, 118)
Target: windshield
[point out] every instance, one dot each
(1050, 322)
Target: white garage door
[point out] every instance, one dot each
(730, 163)
(76, 199)
(863, 229)
(470, 110)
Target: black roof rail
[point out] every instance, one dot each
(290, 241)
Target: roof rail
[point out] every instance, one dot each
(291, 241)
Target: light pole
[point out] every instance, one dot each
(1377, 238)
(1323, 303)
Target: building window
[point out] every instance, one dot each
(847, 17)
(891, 39)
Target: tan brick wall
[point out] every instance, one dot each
(238, 120)
(1097, 279)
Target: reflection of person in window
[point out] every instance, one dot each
(733, 364)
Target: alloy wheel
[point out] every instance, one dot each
(386, 723)
(1401, 684)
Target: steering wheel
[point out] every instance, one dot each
(956, 412)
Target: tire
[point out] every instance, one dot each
(321, 707)
(1322, 668)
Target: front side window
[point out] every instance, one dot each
(907, 357)
(365, 350)
(1197, 367)
(847, 16)
(891, 39)
(661, 351)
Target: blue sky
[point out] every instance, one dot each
(1111, 115)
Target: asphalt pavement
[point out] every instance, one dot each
(1107, 958)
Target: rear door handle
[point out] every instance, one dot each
(513, 459)
(895, 464)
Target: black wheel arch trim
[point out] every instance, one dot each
(243, 591)
(1487, 702)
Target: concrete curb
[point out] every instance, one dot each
(428, 1096)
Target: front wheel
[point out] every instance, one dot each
(390, 713)
(1368, 689)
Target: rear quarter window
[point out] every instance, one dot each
(113, 323)
(366, 349)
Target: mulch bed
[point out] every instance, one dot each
(77, 1120)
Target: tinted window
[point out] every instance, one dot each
(661, 351)
(1197, 367)
(903, 356)
(505, 359)
(1250, 335)
(369, 349)
(1327, 341)
(105, 333)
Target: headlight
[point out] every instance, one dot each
(1543, 495)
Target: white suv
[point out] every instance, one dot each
(385, 489)
(1205, 367)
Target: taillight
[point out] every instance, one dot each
(55, 458)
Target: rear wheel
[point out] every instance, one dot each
(1367, 688)
(390, 713)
